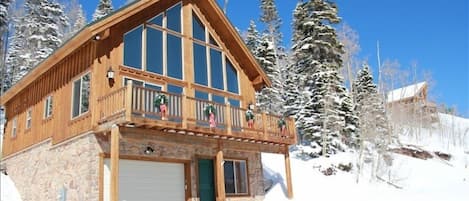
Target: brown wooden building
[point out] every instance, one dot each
(146, 103)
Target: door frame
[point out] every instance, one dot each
(187, 170)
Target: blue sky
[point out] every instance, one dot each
(435, 34)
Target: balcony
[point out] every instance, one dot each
(134, 106)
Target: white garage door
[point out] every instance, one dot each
(146, 181)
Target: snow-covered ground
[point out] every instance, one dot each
(8, 191)
(414, 179)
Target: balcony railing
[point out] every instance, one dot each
(135, 104)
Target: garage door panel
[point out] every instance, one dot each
(147, 181)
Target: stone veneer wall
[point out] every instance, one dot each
(131, 145)
(47, 172)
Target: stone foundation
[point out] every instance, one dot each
(45, 172)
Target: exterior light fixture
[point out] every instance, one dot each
(148, 150)
(110, 73)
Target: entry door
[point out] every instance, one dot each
(206, 180)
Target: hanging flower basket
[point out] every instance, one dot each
(281, 123)
(160, 99)
(210, 109)
(249, 115)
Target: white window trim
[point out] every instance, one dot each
(29, 121)
(48, 103)
(14, 127)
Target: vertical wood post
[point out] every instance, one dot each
(185, 111)
(220, 174)
(228, 121)
(264, 126)
(128, 101)
(288, 173)
(115, 163)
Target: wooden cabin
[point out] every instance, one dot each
(147, 103)
(411, 103)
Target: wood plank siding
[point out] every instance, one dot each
(115, 103)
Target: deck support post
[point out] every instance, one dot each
(128, 101)
(115, 133)
(220, 173)
(288, 173)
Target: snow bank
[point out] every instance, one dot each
(8, 191)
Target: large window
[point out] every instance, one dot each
(48, 107)
(156, 46)
(81, 95)
(236, 182)
(29, 114)
(14, 127)
(212, 68)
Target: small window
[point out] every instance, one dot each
(158, 20)
(174, 89)
(14, 127)
(81, 95)
(48, 107)
(236, 182)
(28, 118)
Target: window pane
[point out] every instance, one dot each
(152, 86)
(133, 48)
(85, 93)
(158, 20)
(154, 51)
(200, 64)
(231, 77)
(212, 41)
(174, 57)
(174, 89)
(76, 98)
(198, 29)
(241, 177)
(201, 95)
(216, 69)
(229, 177)
(173, 16)
(218, 99)
(234, 102)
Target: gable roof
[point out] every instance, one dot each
(405, 92)
(210, 9)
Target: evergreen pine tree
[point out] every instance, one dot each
(76, 16)
(370, 107)
(4, 4)
(252, 37)
(103, 9)
(272, 20)
(269, 99)
(36, 35)
(317, 55)
(80, 21)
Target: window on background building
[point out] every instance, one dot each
(14, 127)
(81, 95)
(29, 114)
(236, 182)
(48, 107)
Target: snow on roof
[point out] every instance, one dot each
(405, 92)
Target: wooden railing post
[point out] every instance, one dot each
(128, 101)
(264, 125)
(228, 118)
(288, 174)
(185, 110)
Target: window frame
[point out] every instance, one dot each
(246, 175)
(14, 127)
(48, 103)
(80, 113)
(29, 118)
